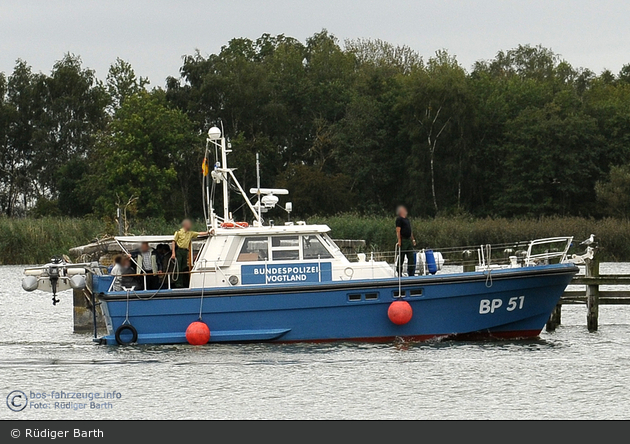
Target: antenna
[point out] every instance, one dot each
(258, 187)
(226, 197)
(221, 173)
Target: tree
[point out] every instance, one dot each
(436, 106)
(378, 53)
(551, 163)
(122, 82)
(317, 193)
(22, 108)
(369, 146)
(613, 194)
(147, 152)
(524, 133)
(74, 104)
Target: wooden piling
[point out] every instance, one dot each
(592, 295)
(555, 319)
(83, 317)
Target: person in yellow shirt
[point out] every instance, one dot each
(182, 242)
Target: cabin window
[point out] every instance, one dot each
(285, 248)
(371, 296)
(254, 249)
(314, 249)
(329, 242)
(288, 255)
(354, 297)
(285, 241)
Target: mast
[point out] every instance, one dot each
(221, 172)
(225, 171)
(207, 177)
(258, 187)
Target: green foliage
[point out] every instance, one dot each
(358, 127)
(48, 122)
(35, 241)
(315, 190)
(614, 194)
(122, 82)
(146, 147)
(550, 163)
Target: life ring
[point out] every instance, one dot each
(234, 225)
(121, 329)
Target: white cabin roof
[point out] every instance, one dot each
(276, 229)
(249, 231)
(154, 239)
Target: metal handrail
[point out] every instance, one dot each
(549, 254)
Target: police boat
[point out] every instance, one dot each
(259, 282)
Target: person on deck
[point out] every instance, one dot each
(163, 256)
(165, 264)
(406, 241)
(116, 271)
(146, 263)
(182, 243)
(128, 277)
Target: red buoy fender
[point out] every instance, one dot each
(198, 333)
(400, 312)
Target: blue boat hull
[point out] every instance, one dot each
(512, 303)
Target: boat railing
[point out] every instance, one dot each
(526, 253)
(547, 250)
(523, 253)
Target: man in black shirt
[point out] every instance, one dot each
(406, 241)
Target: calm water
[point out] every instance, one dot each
(567, 374)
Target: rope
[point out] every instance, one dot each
(399, 265)
(175, 269)
(161, 285)
(489, 278)
(126, 321)
(203, 285)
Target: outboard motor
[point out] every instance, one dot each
(53, 275)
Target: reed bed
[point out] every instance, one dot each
(36, 240)
(32, 241)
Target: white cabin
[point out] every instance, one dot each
(275, 255)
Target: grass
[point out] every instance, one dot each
(32, 241)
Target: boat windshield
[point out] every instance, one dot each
(313, 248)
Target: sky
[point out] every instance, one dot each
(154, 35)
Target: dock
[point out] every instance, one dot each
(592, 297)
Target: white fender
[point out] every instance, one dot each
(74, 271)
(29, 283)
(77, 282)
(34, 272)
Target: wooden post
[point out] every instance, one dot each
(556, 318)
(83, 316)
(592, 295)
